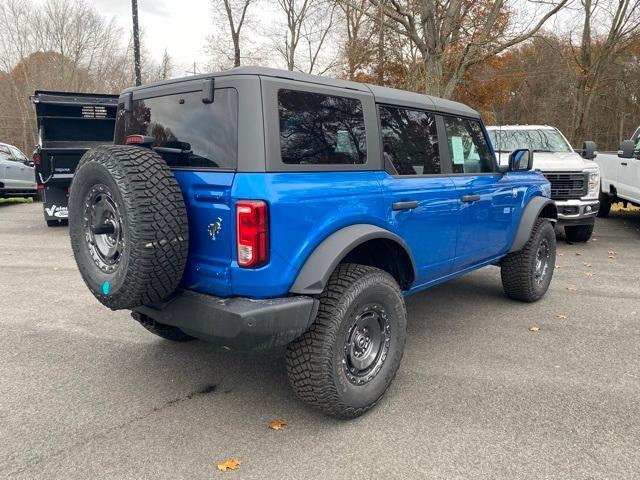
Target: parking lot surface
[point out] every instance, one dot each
(88, 393)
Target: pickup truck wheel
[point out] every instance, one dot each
(578, 233)
(526, 274)
(346, 360)
(605, 205)
(167, 332)
(128, 226)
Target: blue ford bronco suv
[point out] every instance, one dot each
(257, 208)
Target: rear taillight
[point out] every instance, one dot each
(252, 233)
(37, 159)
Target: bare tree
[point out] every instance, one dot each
(359, 31)
(309, 23)
(595, 56)
(453, 36)
(236, 15)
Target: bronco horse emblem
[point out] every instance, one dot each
(215, 228)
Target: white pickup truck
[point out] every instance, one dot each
(574, 176)
(620, 175)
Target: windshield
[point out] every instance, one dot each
(541, 140)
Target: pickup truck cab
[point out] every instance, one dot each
(620, 175)
(574, 177)
(257, 207)
(17, 177)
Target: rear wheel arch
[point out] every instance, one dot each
(365, 244)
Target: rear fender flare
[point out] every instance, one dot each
(537, 207)
(315, 273)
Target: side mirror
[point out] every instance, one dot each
(589, 150)
(520, 160)
(626, 149)
(30, 163)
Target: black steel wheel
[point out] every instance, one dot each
(527, 274)
(128, 226)
(349, 356)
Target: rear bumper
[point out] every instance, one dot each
(577, 212)
(236, 322)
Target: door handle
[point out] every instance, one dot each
(405, 205)
(623, 164)
(470, 198)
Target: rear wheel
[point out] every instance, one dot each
(526, 274)
(347, 359)
(578, 233)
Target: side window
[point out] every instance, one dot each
(319, 129)
(409, 140)
(470, 152)
(18, 155)
(187, 132)
(5, 154)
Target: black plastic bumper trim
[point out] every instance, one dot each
(236, 322)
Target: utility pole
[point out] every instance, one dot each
(381, 45)
(136, 42)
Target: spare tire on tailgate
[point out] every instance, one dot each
(128, 226)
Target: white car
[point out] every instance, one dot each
(574, 177)
(17, 173)
(620, 175)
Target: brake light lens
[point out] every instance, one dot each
(37, 159)
(252, 233)
(134, 140)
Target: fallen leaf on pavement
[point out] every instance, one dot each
(561, 317)
(534, 328)
(612, 252)
(277, 424)
(55, 269)
(561, 254)
(588, 274)
(572, 289)
(230, 464)
(588, 265)
(578, 253)
(612, 256)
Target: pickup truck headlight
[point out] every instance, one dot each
(594, 184)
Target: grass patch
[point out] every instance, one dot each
(5, 201)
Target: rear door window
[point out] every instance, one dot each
(188, 133)
(409, 141)
(320, 129)
(469, 149)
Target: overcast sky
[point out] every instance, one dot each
(180, 26)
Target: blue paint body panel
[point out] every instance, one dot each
(446, 236)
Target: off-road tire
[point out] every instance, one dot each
(151, 215)
(316, 361)
(167, 332)
(518, 268)
(578, 233)
(605, 205)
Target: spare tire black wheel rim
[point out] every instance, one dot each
(367, 344)
(543, 257)
(103, 228)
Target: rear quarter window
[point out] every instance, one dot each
(188, 133)
(321, 129)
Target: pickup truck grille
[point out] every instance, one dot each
(567, 186)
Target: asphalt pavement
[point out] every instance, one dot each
(87, 393)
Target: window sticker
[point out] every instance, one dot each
(343, 142)
(473, 154)
(457, 150)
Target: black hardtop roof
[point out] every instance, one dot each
(74, 98)
(384, 95)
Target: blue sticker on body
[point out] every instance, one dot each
(105, 288)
